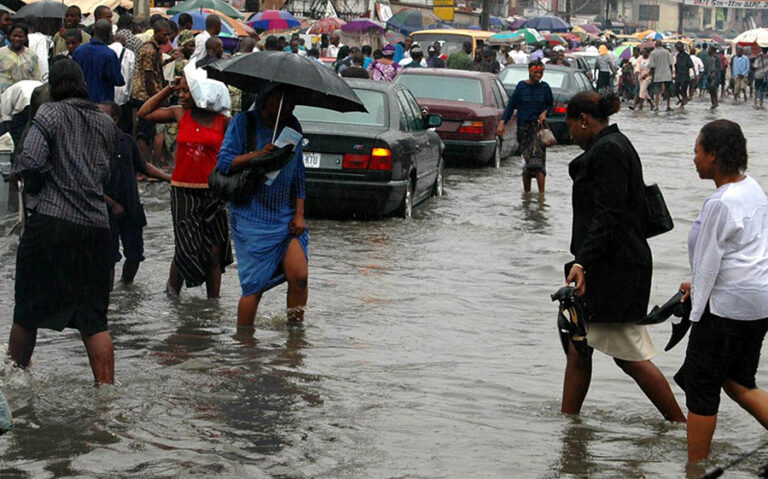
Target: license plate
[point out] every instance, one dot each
(311, 160)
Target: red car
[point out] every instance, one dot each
(471, 104)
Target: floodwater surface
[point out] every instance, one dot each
(429, 350)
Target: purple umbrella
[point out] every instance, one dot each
(361, 25)
(517, 24)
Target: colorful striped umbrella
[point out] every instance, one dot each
(531, 35)
(409, 20)
(623, 51)
(506, 38)
(326, 25)
(198, 21)
(273, 20)
(554, 39)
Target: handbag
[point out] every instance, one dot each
(238, 187)
(657, 217)
(545, 135)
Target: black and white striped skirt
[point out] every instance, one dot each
(199, 224)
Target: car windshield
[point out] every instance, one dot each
(555, 79)
(449, 43)
(438, 87)
(375, 102)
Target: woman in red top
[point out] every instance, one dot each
(200, 228)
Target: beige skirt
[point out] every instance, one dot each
(626, 341)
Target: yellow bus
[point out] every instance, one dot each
(451, 40)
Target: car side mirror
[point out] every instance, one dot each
(433, 121)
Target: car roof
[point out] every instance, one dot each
(383, 86)
(585, 54)
(457, 31)
(561, 68)
(446, 72)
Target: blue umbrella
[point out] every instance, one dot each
(198, 21)
(496, 23)
(548, 23)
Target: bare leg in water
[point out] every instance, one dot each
(213, 281)
(22, 344)
(101, 355)
(175, 280)
(540, 179)
(296, 273)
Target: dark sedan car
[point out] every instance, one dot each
(371, 164)
(565, 82)
(471, 104)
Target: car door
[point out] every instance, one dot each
(509, 140)
(407, 144)
(427, 152)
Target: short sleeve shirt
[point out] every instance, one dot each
(150, 61)
(661, 62)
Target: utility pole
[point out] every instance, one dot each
(485, 14)
(568, 10)
(141, 9)
(680, 11)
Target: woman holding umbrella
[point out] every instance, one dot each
(269, 230)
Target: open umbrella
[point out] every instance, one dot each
(590, 28)
(571, 37)
(394, 37)
(496, 23)
(219, 5)
(549, 23)
(319, 86)
(623, 51)
(198, 21)
(758, 36)
(326, 25)
(554, 39)
(409, 20)
(506, 38)
(655, 36)
(42, 10)
(643, 34)
(530, 34)
(362, 25)
(273, 20)
(518, 24)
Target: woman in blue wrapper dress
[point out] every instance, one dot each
(269, 231)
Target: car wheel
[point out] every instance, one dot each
(406, 207)
(496, 158)
(438, 189)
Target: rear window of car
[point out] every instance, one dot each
(436, 87)
(557, 80)
(375, 102)
(448, 43)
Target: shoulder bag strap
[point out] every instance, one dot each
(250, 131)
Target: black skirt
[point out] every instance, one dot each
(62, 276)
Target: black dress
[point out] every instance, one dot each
(607, 237)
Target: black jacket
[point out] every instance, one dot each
(607, 237)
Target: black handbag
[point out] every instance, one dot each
(238, 187)
(657, 217)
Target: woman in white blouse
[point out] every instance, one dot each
(728, 251)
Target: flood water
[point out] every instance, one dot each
(429, 350)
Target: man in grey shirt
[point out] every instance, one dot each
(661, 70)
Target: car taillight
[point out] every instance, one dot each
(560, 108)
(471, 128)
(355, 162)
(381, 159)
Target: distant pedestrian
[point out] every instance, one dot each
(73, 38)
(683, 67)
(461, 60)
(385, 69)
(212, 29)
(72, 18)
(533, 101)
(434, 60)
(712, 70)
(100, 64)
(127, 61)
(5, 28)
(17, 61)
(39, 43)
(63, 259)
(728, 252)
(644, 79)
(740, 73)
(606, 69)
(102, 12)
(214, 51)
(334, 46)
(761, 76)
(126, 214)
(356, 70)
(609, 246)
(125, 34)
(661, 72)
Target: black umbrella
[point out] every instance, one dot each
(318, 85)
(42, 10)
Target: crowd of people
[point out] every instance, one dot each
(92, 108)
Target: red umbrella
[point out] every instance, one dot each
(326, 25)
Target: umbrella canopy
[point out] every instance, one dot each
(655, 36)
(571, 37)
(326, 25)
(273, 20)
(758, 36)
(530, 35)
(42, 10)
(87, 6)
(623, 52)
(362, 25)
(554, 39)
(590, 28)
(518, 24)
(409, 20)
(506, 38)
(642, 35)
(198, 21)
(219, 5)
(719, 39)
(394, 37)
(496, 23)
(549, 23)
(319, 86)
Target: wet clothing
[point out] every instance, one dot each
(101, 69)
(74, 146)
(683, 66)
(260, 227)
(383, 72)
(529, 100)
(719, 349)
(197, 148)
(625, 341)
(660, 62)
(62, 275)
(531, 149)
(199, 224)
(608, 237)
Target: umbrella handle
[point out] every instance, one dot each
(277, 120)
